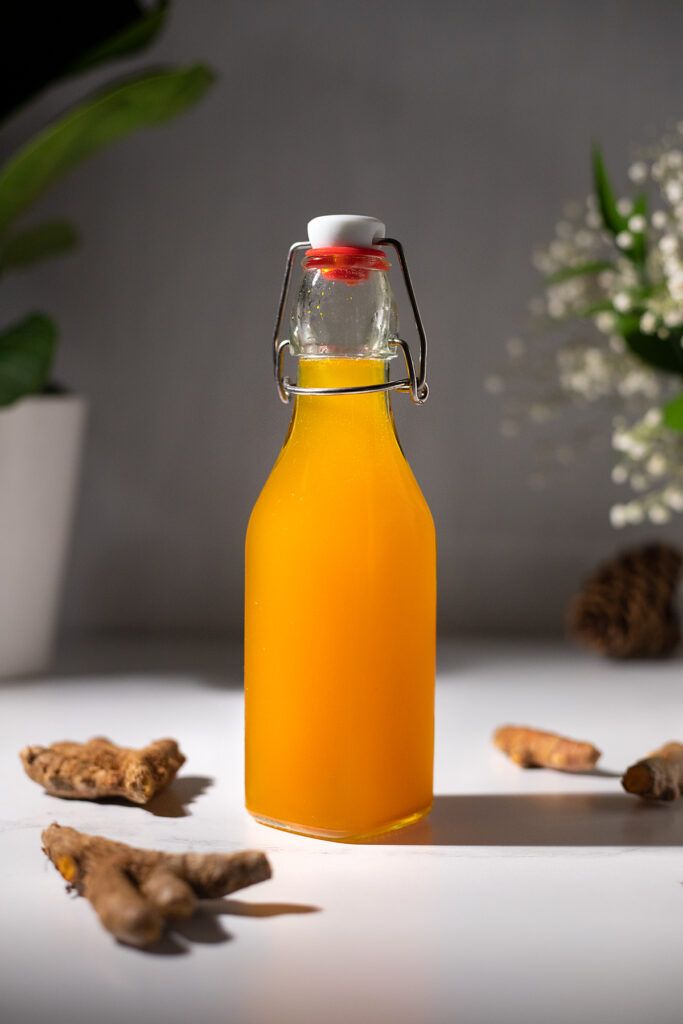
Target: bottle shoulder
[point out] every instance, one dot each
(372, 478)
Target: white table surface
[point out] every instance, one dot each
(528, 896)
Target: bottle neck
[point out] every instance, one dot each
(352, 413)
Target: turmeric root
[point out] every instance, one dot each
(658, 776)
(134, 891)
(534, 748)
(87, 771)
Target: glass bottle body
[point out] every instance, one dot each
(340, 603)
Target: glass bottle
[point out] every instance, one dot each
(340, 591)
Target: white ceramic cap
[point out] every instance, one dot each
(345, 229)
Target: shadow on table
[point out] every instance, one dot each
(543, 819)
(205, 927)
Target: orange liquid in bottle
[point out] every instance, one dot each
(340, 620)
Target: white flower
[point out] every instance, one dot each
(617, 516)
(619, 474)
(515, 347)
(675, 158)
(674, 191)
(659, 220)
(653, 417)
(673, 496)
(593, 220)
(639, 482)
(624, 240)
(637, 172)
(637, 223)
(668, 244)
(624, 206)
(658, 514)
(648, 323)
(622, 302)
(672, 318)
(584, 239)
(657, 465)
(494, 384)
(604, 322)
(633, 513)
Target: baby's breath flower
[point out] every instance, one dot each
(637, 172)
(515, 347)
(604, 321)
(674, 191)
(648, 323)
(619, 474)
(673, 496)
(494, 384)
(624, 206)
(624, 240)
(658, 514)
(657, 465)
(634, 513)
(622, 302)
(659, 220)
(637, 224)
(617, 516)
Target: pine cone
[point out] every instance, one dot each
(627, 608)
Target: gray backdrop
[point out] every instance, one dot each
(465, 126)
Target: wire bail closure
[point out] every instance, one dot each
(415, 383)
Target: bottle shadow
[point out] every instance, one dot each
(542, 819)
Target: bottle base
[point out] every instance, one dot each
(342, 836)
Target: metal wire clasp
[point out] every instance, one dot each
(415, 383)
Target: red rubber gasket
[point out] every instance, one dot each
(348, 263)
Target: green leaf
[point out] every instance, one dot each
(118, 111)
(131, 39)
(638, 252)
(579, 270)
(26, 353)
(37, 243)
(673, 413)
(660, 353)
(604, 193)
(44, 43)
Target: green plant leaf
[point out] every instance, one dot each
(133, 38)
(659, 353)
(638, 252)
(37, 243)
(45, 43)
(673, 413)
(26, 352)
(579, 270)
(604, 193)
(121, 109)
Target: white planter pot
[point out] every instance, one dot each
(40, 448)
